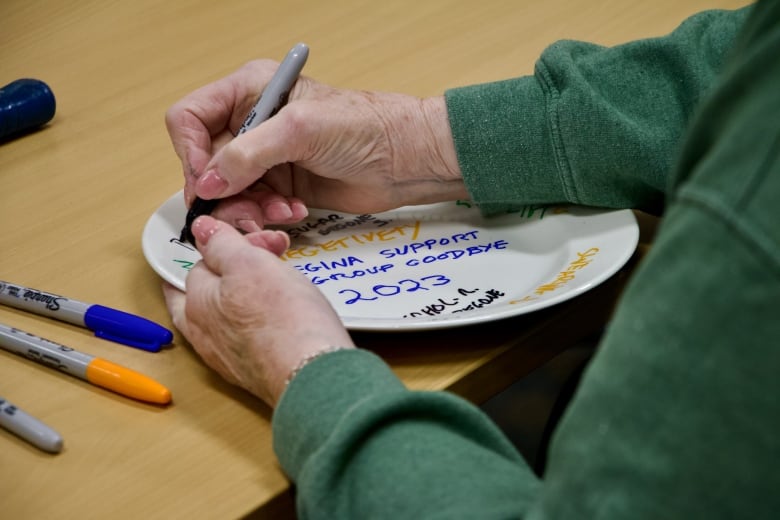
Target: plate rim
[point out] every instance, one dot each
(628, 226)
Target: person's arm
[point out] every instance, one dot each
(594, 125)
(675, 418)
(349, 150)
(358, 444)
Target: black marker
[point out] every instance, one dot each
(271, 100)
(199, 207)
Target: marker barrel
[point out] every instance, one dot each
(84, 366)
(29, 428)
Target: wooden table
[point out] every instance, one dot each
(74, 198)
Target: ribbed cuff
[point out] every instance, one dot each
(503, 144)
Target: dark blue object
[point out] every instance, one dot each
(126, 328)
(25, 104)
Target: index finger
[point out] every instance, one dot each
(212, 113)
(192, 120)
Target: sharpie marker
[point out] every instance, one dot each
(274, 96)
(29, 428)
(107, 323)
(89, 368)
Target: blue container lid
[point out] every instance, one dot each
(25, 104)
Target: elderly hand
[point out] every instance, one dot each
(251, 317)
(346, 150)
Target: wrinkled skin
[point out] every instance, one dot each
(249, 315)
(327, 148)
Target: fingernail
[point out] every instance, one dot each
(300, 210)
(284, 238)
(248, 225)
(211, 185)
(282, 242)
(278, 212)
(204, 228)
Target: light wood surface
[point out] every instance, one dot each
(74, 198)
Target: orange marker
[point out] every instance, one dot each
(89, 368)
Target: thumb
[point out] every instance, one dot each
(250, 155)
(222, 247)
(175, 301)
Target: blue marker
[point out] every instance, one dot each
(25, 104)
(107, 323)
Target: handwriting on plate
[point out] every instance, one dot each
(185, 245)
(582, 260)
(410, 231)
(327, 250)
(568, 274)
(528, 211)
(407, 285)
(453, 304)
(185, 264)
(411, 256)
(414, 254)
(334, 222)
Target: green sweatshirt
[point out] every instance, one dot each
(677, 415)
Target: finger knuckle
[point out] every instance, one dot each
(240, 155)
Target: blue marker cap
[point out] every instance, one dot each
(25, 104)
(126, 328)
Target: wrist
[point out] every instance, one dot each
(426, 168)
(311, 357)
(285, 371)
(441, 144)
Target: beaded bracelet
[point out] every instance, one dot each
(311, 357)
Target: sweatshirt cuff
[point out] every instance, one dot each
(504, 145)
(320, 396)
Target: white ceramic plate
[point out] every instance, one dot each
(433, 266)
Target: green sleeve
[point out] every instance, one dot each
(676, 416)
(359, 445)
(595, 126)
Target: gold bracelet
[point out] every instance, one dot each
(308, 359)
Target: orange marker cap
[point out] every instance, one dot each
(126, 382)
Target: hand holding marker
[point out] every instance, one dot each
(271, 100)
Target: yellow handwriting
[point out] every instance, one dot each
(564, 277)
(385, 235)
(568, 274)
